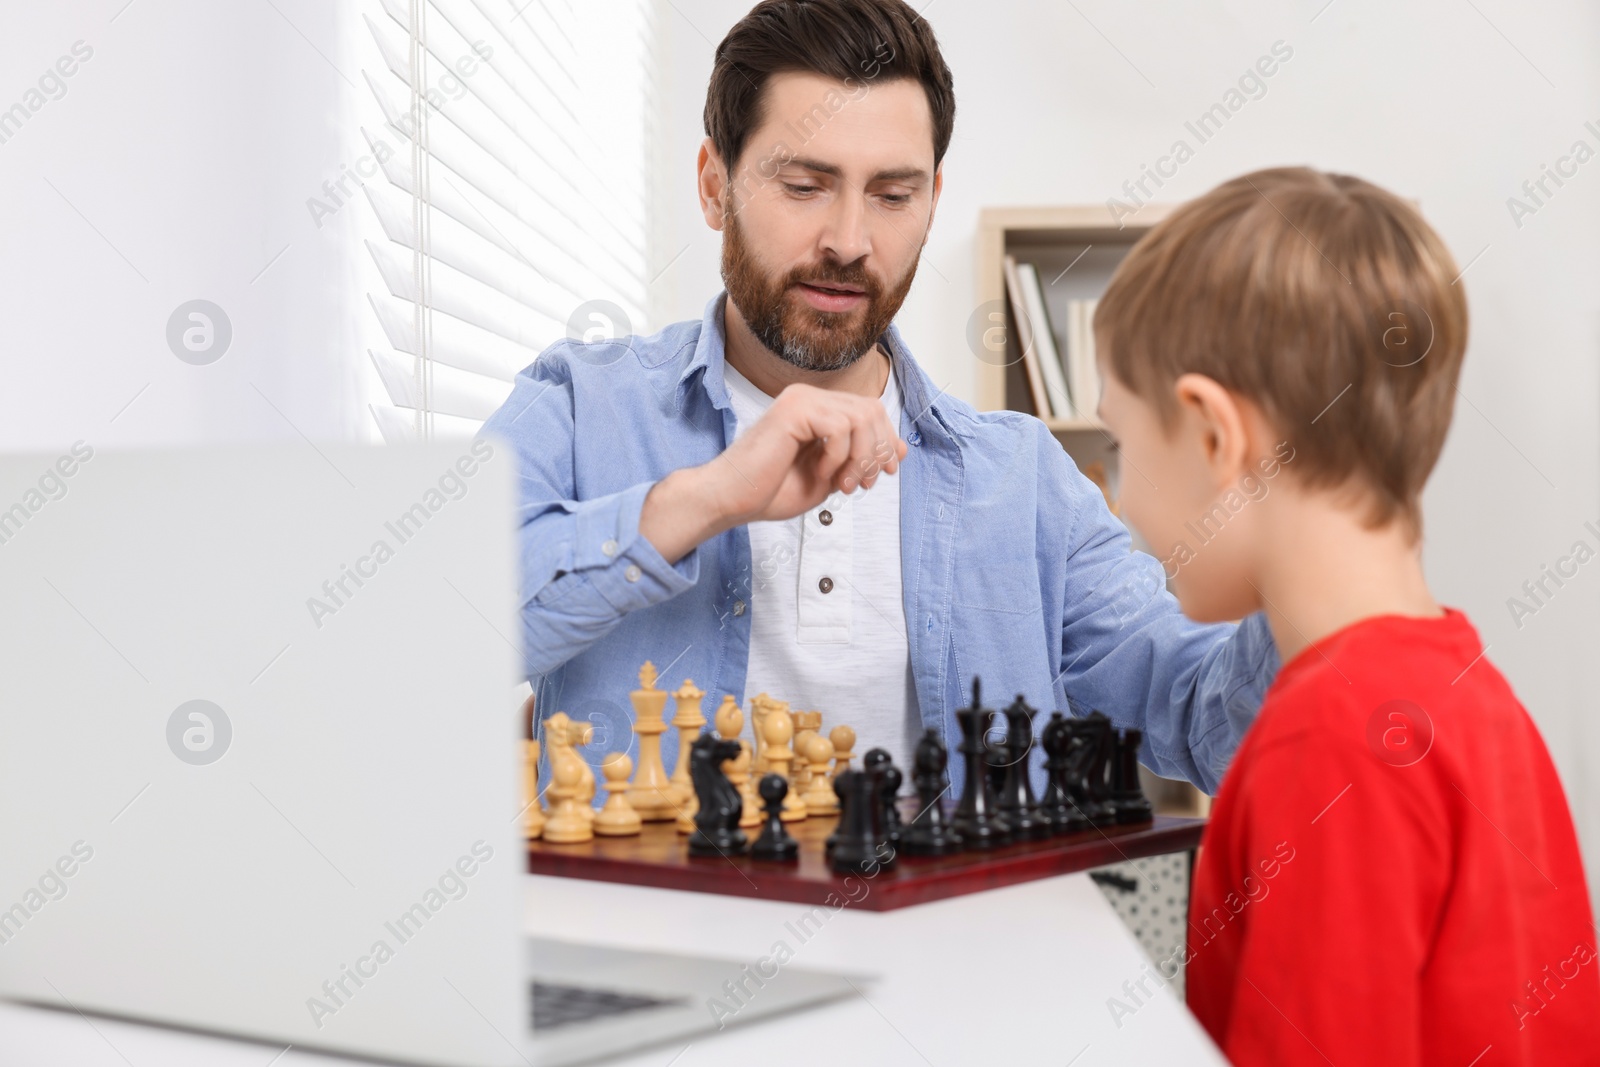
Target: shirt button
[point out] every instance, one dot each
(609, 548)
(914, 438)
(826, 585)
(632, 573)
(825, 517)
(738, 607)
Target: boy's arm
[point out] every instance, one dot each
(584, 564)
(1330, 948)
(1127, 649)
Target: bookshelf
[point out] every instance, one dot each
(1075, 249)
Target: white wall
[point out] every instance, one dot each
(1427, 98)
(184, 150)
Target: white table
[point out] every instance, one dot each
(1020, 975)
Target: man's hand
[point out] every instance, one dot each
(810, 443)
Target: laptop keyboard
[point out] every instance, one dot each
(561, 1005)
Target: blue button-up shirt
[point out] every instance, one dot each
(1013, 570)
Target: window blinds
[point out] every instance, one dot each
(513, 146)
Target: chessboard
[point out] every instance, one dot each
(830, 831)
(659, 856)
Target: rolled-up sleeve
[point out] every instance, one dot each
(584, 563)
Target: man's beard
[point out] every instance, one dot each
(798, 334)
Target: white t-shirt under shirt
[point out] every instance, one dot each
(827, 622)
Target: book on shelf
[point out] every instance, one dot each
(1063, 381)
(1055, 378)
(1082, 373)
(1025, 339)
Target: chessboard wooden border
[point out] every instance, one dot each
(659, 857)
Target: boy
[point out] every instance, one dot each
(1390, 874)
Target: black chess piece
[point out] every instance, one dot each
(775, 842)
(1098, 770)
(716, 823)
(1079, 755)
(930, 833)
(859, 844)
(833, 838)
(879, 762)
(977, 819)
(1017, 802)
(889, 779)
(1127, 794)
(995, 758)
(1057, 806)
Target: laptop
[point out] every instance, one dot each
(261, 764)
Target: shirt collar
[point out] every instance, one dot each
(923, 407)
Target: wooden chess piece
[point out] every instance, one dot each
(806, 724)
(930, 833)
(844, 740)
(976, 819)
(819, 797)
(582, 733)
(716, 830)
(683, 822)
(1088, 742)
(729, 720)
(651, 791)
(617, 818)
(533, 814)
(564, 737)
(859, 845)
(1017, 801)
(688, 720)
(775, 842)
(1127, 794)
(880, 765)
(1057, 806)
(760, 705)
(567, 823)
(1098, 772)
(558, 735)
(778, 730)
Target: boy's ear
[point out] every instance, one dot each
(1215, 417)
(712, 184)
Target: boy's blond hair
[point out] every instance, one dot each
(1320, 297)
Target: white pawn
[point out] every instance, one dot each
(617, 818)
(819, 797)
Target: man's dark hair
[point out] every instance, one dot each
(852, 41)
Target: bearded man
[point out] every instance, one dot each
(774, 499)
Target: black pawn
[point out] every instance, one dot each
(856, 849)
(976, 819)
(930, 833)
(1127, 795)
(881, 765)
(1017, 801)
(1056, 806)
(775, 842)
(839, 794)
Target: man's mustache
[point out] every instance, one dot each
(855, 277)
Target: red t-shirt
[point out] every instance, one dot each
(1390, 874)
